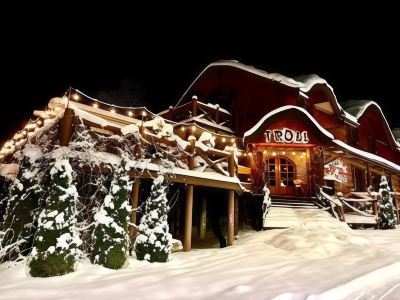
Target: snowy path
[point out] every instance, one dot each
(322, 259)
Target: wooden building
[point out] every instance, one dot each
(239, 129)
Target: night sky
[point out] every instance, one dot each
(133, 63)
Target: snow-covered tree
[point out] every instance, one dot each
(154, 242)
(56, 242)
(19, 225)
(387, 218)
(112, 220)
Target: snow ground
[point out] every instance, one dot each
(320, 259)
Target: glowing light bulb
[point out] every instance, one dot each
(144, 113)
(95, 105)
(223, 140)
(76, 97)
(283, 152)
(274, 153)
(293, 153)
(193, 128)
(112, 110)
(182, 128)
(130, 113)
(245, 154)
(250, 154)
(232, 140)
(264, 152)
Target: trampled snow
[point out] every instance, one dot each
(317, 260)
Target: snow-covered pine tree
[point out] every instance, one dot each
(19, 225)
(386, 216)
(154, 242)
(56, 242)
(112, 220)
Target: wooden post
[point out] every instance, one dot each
(67, 126)
(134, 204)
(375, 212)
(141, 129)
(236, 231)
(368, 176)
(231, 202)
(187, 238)
(396, 207)
(194, 106)
(217, 114)
(171, 113)
(203, 219)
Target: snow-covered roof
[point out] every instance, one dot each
(303, 82)
(285, 108)
(367, 155)
(357, 108)
(353, 150)
(396, 134)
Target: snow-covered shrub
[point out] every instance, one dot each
(56, 241)
(112, 220)
(386, 216)
(19, 225)
(266, 202)
(154, 242)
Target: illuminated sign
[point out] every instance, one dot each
(336, 170)
(287, 136)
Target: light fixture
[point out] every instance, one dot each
(293, 153)
(245, 154)
(193, 128)
(39, 122)
(130, 113)
(264, 152)
(274, 153)
(144, 113)
(95, 105)
(232, 140)
(223, 140)
(75, 97)
(283, 152)
(250, 154)
(182, 128)
(112, 110)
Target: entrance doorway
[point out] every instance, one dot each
(280, 172)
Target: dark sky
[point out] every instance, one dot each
(153, 61)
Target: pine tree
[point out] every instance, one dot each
(154, 242)
(20, 219)
(386, 216)
(112, 220)
(56, 241)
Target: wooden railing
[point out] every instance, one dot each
(329, 202)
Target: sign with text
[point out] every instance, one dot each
(287, 136)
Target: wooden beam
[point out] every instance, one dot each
(244, 170)
(188, 179)
(231, 203)
(231, 219)
(187, 238)
(236, 227)
(134, 204)
(67, 126)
